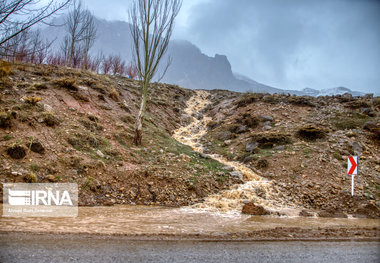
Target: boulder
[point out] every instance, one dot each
(252, 209)
(241, 129)
(251, 147)
(356, 147)
(333, 213)
(266, 118)
(368, 211)
(224, 135)
(305, 213)
(237, 175)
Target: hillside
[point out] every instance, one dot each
(65, 125)
(264, 153)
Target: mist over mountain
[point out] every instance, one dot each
(189, 67)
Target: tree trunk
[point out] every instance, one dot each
(71, 53)
(140, 116)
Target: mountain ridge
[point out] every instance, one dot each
(190, 68)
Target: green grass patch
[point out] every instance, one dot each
(354, 121)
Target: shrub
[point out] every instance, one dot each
(33, 100)
(30, 178)
(16, 151)
(356, 104)
(5, 120)
(50, 119)
(250, 121)
(84, 141)
(311, 133)
(67, 83)
(269, 139)
(301, 101)
(5, 69)
(246, 99)
(40, 86)
(114, 94)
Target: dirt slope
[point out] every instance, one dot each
(302, 144)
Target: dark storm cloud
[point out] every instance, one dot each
(284, 43)
(293, 43)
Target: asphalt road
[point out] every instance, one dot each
(44, 248)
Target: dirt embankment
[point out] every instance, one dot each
(302, 144)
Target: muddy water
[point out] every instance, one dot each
(256, 188)
(133, 220)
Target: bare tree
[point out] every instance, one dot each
(131, 71)
(107, 64)
(89, 36)
(17, 16)
(81, 28)
(74, 22)
(152, 23)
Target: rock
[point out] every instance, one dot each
(356, 147)
(305, 213)
(37, 147)
(204, 156)
(331, 212)
(228, 168)
(47, 107)
(267, 127)
(249, 158)
(17, 151)
(370, 125)
(224, 135)
(346, 97)
(237, 174)
(106, 106)
(241, 129)
(266, 118)
(227, 142)
(367, 210)
(100, 154)
(252, 209)
(197, 115)
(251, 147)
(279, 148)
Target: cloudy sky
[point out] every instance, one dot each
(288, 44)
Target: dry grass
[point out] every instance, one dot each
(32, 100)
(5, 69)
(67, 83)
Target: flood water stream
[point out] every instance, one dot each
(256, 188)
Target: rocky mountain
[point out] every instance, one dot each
(189, 68)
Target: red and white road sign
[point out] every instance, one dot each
(352, 165)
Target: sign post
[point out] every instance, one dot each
(352, 169)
